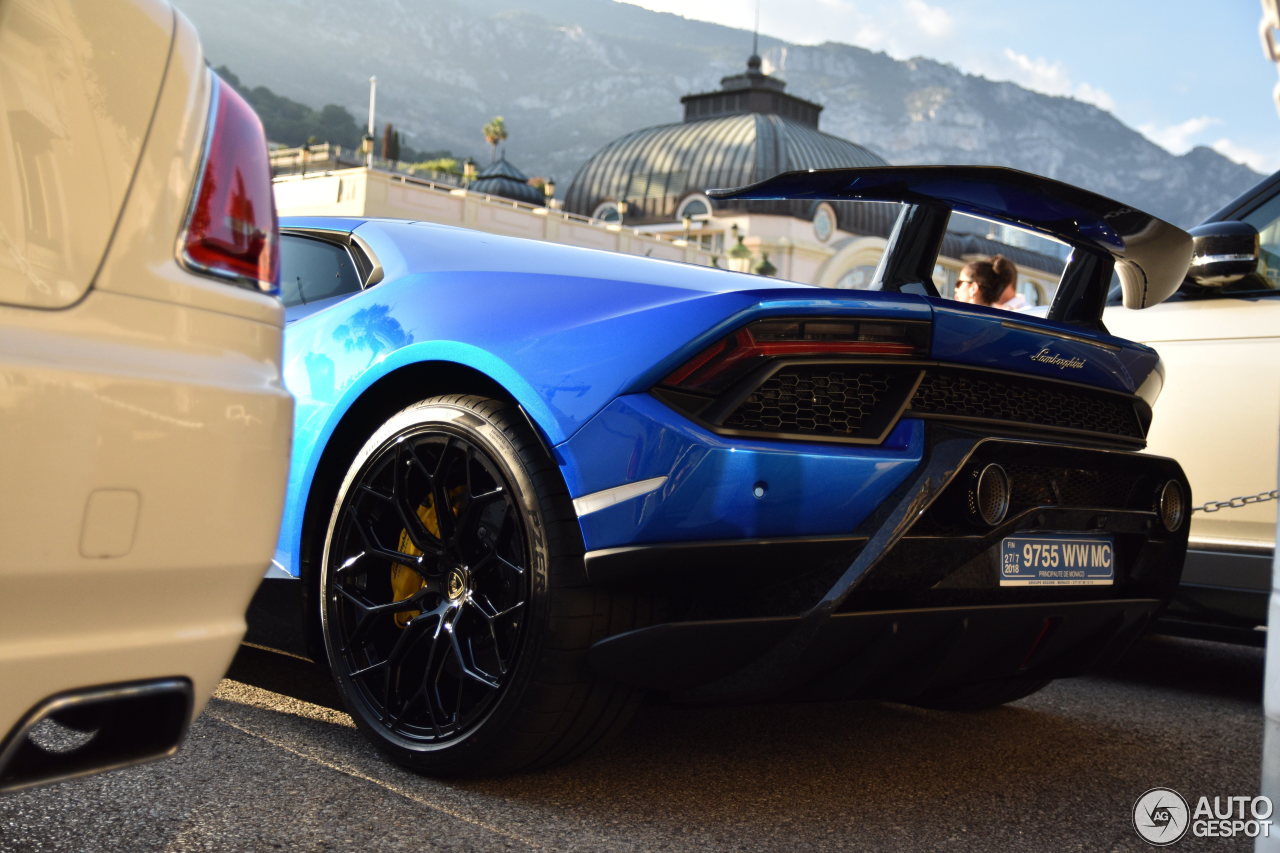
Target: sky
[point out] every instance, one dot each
(1182, 72)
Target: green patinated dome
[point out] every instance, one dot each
(748, 130)
(503, 179)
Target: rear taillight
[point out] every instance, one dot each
(231, 230)
(729, 359)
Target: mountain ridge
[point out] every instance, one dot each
(569, 76)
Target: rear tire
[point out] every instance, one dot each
(458, 639)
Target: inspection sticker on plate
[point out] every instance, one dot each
(1057, 561)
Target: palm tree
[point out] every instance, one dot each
(495, 132)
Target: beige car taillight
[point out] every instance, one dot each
(231, 230)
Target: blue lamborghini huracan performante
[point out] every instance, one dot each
(531, 482)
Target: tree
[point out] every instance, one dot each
(336, 124)
(293, 123)
(390, 143)
(495, 132)
(448, 165)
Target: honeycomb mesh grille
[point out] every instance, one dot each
(824, 400)
(860, 401)
(961, 394)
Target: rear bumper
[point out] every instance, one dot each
(912, 600)
(145, 451)
(715, 489)
(894, 655)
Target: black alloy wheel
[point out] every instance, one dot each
(449, 591)
(429, 603)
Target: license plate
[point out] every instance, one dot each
(1057, 561)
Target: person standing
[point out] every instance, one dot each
(993, 283)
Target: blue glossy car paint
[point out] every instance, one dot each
(577, 336)
(781, 490)
(561, 368)
(710, 492)
(966, 335)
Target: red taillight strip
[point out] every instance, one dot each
(741, 346)
(230, 230)
(741, 337)
(785, 348)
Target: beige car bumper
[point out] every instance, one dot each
(142, 472)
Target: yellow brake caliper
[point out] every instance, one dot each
(404, 580)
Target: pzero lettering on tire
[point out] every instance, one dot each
(452, 620)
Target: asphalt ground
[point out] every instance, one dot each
(272, 765)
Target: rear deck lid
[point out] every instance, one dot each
(993, 339)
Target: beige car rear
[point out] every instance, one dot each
(146, 427)
(1217, 416)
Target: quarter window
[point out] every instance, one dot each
(311, 270)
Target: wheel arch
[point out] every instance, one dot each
(389, 394)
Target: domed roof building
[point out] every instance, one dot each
(750, 129)
(503, 179)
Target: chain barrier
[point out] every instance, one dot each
(1236, 503)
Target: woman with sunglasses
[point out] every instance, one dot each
(993, 283)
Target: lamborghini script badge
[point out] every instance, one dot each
(1059, 361)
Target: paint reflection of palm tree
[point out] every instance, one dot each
(320, 373)
(372, 329)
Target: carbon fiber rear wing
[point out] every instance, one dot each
(1149, 255)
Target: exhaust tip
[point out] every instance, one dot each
(101, 728)
(1171, 505)
(991, 495)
